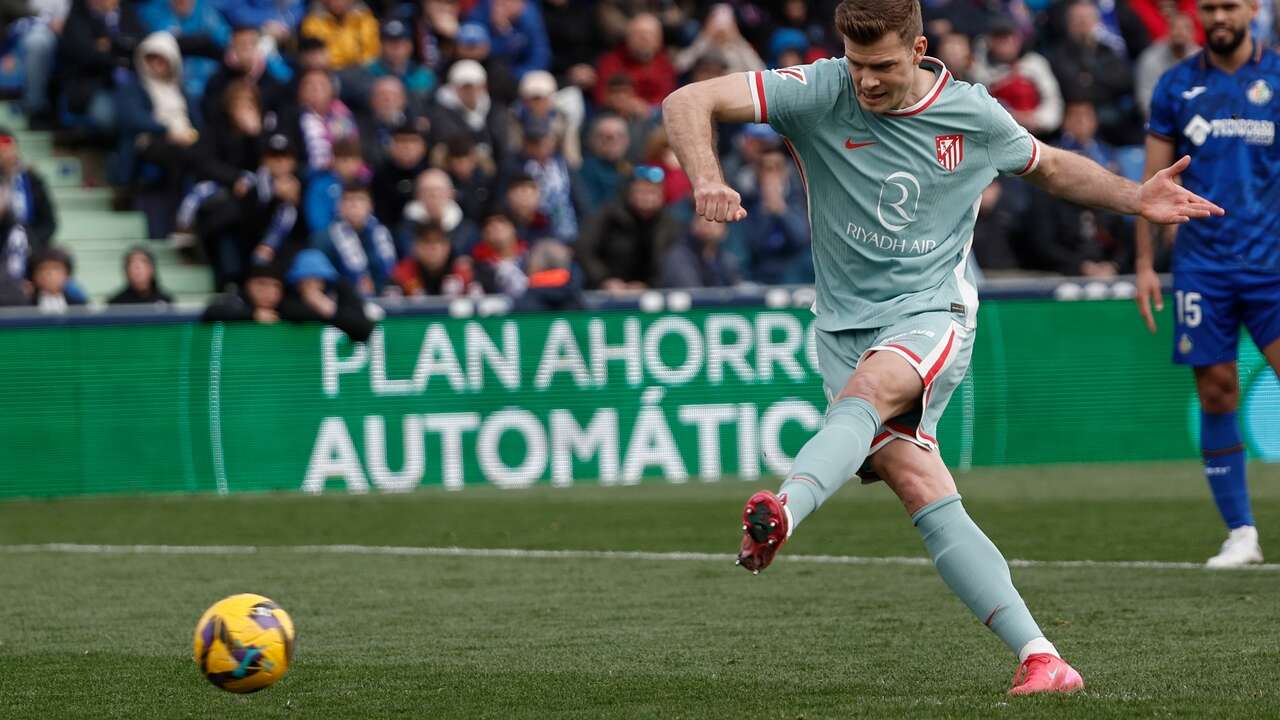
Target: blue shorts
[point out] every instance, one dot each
(1209, 307)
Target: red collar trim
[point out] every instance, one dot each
(944, 77)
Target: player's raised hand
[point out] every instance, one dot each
(718, 202)
(1148, 294)
(1163, 201)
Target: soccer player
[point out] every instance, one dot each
(895, 154)
(1220, 107)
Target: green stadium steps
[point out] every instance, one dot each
(11, 117)
(34, 143)
(59, 172)
(83, 199)
(79, 225)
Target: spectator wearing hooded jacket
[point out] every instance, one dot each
(156, 132)
(463, 107)
(201, 31)
(516, 32)
(1022, 81)
(360, 248)
(434, 201)
(472, 43)
(141, 282)
(349, 30)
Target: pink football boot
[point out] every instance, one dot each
(1045, 673)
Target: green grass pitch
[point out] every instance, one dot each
(109, 635)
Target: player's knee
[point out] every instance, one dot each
(875, 389)
(1219, 389)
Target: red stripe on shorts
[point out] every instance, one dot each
(909, 354)
(942, 359)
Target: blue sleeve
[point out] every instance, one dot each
(152, 15)
(1164, 110)
(216, 26)
(538, 55)
(133, 110)
(317, 209)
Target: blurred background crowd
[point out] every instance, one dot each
(318, 155)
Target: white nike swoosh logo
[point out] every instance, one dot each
(1053, 674)
(1189, 94)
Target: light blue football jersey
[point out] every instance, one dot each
(892, 197)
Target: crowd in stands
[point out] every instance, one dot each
(322, 155)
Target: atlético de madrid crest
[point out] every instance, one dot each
(950, 151)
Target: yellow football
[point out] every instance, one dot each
(244, 643)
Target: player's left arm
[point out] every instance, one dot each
(1013, 151)
(1082, 181)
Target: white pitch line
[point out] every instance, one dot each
(525, 554)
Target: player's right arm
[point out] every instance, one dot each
(687, 114)
(1160, 153)
(792, 100)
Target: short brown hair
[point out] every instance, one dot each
(866, 21)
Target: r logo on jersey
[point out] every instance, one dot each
(795, 73)
(950, 149)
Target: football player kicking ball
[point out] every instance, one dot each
(894, 154)
(1220, 106)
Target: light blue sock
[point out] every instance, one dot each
(975, 571)
(1224, 467)
(831, 457)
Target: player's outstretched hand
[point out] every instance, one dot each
(1148, 294)
(718, 202)
(1164, 201)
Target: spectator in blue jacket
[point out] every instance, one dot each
(777, 226)
(360, 248)
(605, 167)
(277, 18)
(516, 33)
(202, 34)
(701, 259)
(324, 187)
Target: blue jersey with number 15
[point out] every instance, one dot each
(1227, 124)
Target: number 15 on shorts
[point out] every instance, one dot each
(1186, 307)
